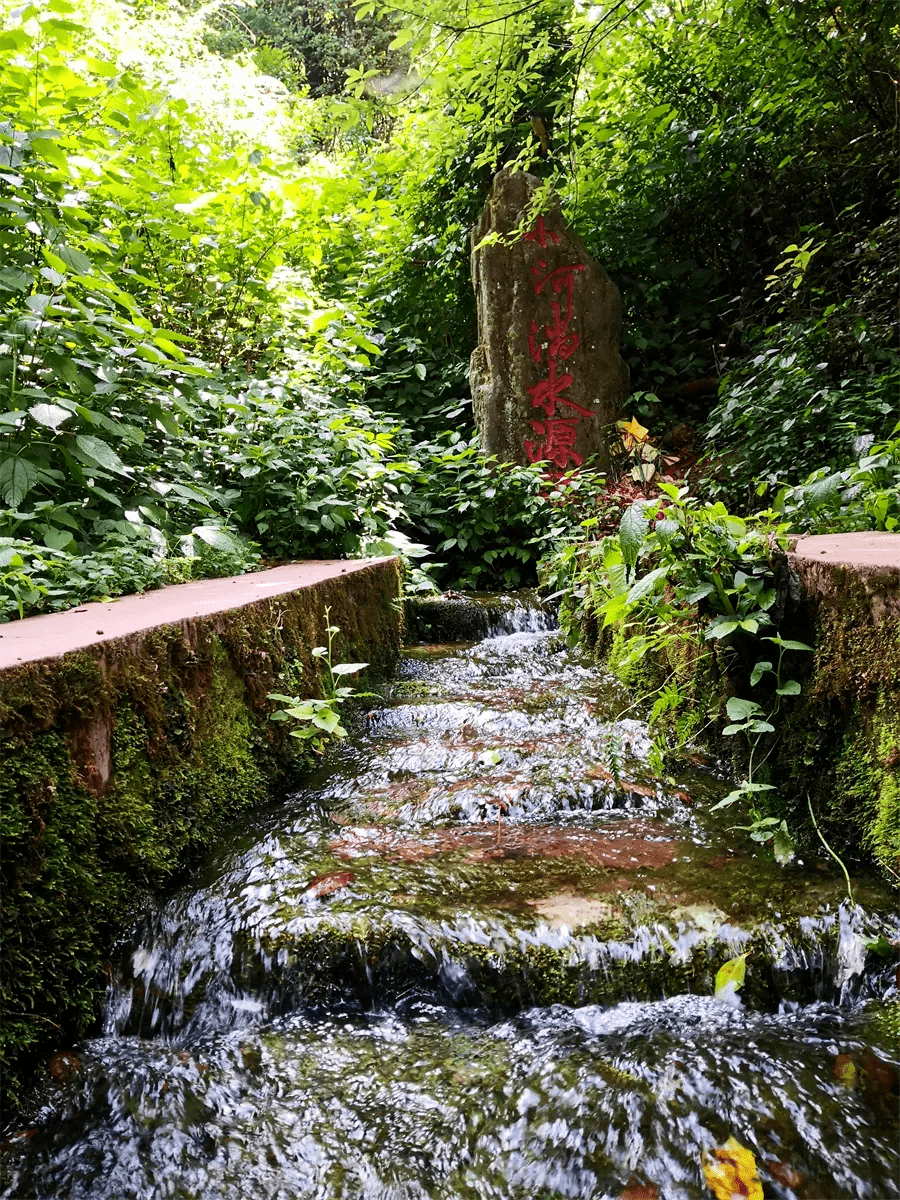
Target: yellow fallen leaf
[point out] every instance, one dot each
(633, 429)
(730, 1171)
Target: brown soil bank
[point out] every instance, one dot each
(130, 733)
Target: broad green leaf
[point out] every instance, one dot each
(217, 538)
(17, 477)
(730, 976)
(49, 415)
(348, 668)
(788, 644)
(721, 627)
(783, 845)
(14, 280)
(740, 710)
(58, 539)
(73, 259)
(100, 452)
(647, 584)
(731, 798)
(326, 719)
(633, 530)
(790, 687)
(823, 490)
(695, 595)
(614, 608)
(403, 38)
(758, 671)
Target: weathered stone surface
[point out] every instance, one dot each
(546, 376)
(834, 567)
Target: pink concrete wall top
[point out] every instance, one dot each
(55, 634)
(852, 549)
(836, 567)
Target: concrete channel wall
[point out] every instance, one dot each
(841, 744)
(130, 733)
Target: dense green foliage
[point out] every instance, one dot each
(219, 346)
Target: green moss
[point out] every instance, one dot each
(123, 762)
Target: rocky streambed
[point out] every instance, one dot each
(475, 957)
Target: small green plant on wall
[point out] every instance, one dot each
(749, 718)
(318, 721)
(677, 578)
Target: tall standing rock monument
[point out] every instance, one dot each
(547, 379)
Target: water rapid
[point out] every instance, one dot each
(474, 956)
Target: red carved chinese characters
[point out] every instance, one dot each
(557, 434)
(558, 443)
(540, 234)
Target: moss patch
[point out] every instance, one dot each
(122, 762)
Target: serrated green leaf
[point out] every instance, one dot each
(783, 846)
(17, 477)
(647, 584)
(51, 416)
(100, 452)
(790, 687)
(633, 530)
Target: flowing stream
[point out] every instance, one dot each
(475, 957)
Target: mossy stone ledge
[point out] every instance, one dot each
(838, 742)
(841, 743)
(130, 733)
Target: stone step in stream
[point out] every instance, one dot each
(475, 956)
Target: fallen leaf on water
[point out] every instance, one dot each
(785, 1174)
(845, 1070)
(730, 1171)
(730, 976)
(639, 1191)
(325, 885)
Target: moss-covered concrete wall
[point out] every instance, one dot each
(837, 744)
(841, 740)
(121, 760)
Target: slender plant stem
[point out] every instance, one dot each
(828, 848)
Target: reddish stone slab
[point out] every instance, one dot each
(55, 634)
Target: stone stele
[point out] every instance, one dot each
(547, 379)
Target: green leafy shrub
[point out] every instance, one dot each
(492, 522)
(782, 415)
(680, 577)
(865, 495)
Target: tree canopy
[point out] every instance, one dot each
(235, 305)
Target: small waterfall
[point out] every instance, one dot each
(476, 956)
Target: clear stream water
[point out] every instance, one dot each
(474, 957)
